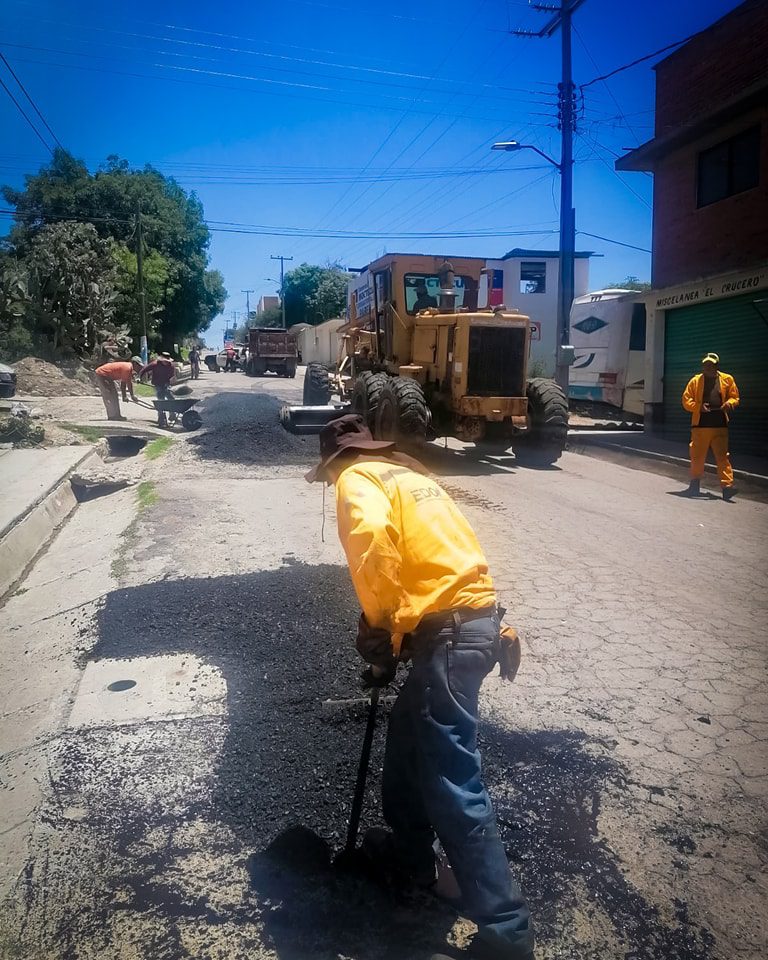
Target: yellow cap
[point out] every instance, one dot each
(711, 358)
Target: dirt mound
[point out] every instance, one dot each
(38, 378)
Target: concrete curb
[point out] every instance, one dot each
(759, 480)
(22, 540)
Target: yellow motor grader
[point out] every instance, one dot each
(418, 359)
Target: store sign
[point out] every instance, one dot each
(714, 290)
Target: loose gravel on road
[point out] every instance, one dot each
(176, 836)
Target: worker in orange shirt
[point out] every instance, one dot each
(117, 371)
(423, 584)
(710, 397)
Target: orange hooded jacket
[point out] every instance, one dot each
(693, 395)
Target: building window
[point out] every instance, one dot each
(637, 331)
(533, 277)
(729, 168)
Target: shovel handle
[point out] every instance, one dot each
(362, 774)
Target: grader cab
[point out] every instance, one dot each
(418, 359)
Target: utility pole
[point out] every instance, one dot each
(561, 20)
(140, 286)
(247, 305)
(282, 275)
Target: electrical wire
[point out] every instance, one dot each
(634, 63)
(619, 243)
(34, 105)
(21, 110)
(225, 226)
(272, 93)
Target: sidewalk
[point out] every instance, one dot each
(750, 472)
(37, 499)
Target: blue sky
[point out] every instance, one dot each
(333, 115)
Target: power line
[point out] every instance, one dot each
(21, 110)
(240, 89)
(258, 53)
(256, 229)
(34, 105)
(634, 63)
(619, 243)
(605, 84)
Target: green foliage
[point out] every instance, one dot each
(182, 295)
(314, 294)
(15, 338)
(71, 286)
(146, 492)
(21, 431)
(630, 283)
(156, 448)
(91, 434)
(157, 283)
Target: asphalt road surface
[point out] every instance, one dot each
(165, 718)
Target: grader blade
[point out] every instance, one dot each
(311, 420)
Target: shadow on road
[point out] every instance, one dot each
(170, 813)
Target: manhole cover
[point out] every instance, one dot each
(119, 685)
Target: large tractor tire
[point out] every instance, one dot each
(366, 394)
(545, 441)
(401, 413)
(317, 386)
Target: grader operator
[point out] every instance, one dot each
(418, 359)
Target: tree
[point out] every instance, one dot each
(314, 294)
(71, 286)
(630, 283)
(172, 223)
(271, 317)
(158, 282)
(15, 337)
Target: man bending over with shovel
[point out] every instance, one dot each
(423, 583)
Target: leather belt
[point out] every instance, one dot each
(445, 618)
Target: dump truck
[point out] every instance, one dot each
(273, 350)
(419, 359)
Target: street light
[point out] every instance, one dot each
(565, 279)
(512, 146)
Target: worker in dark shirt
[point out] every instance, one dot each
(710, 397)
(423, 298)
(162, 373)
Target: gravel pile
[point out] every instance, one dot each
(244, 429)
(38, 378)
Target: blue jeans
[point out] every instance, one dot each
(163, 392)
(432, 781)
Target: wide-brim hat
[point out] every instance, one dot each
(344, 435)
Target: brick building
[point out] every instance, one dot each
(709, 159)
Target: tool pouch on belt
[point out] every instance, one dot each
(509, 653)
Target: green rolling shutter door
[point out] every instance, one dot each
(737, 330)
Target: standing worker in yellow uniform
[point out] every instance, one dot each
(710, 397)
(423, 583)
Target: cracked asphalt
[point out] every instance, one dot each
(628, 761)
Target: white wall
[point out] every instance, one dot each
(320, 344)
(541, 307)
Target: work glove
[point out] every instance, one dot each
(374, 644)
(374, 677)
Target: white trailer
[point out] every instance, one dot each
(608, 334)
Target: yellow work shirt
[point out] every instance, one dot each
(410, 549)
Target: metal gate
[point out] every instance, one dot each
(737, 330)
